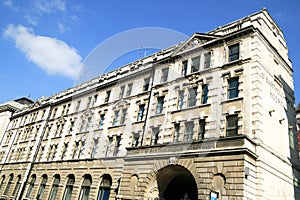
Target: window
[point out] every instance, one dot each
(95, 147)
(234, 51)
(155, 136)
(136, 138)
(207, 57)
(201, 129)
(75, 150)
(107, 96)
(65, 148)
(141, 112)
(233, 87)
(17, 187)
(192, 97)
(85, 188)
(189, 131)
(195, 64)
(116, 118)
(41, 153)
(95, 99)
(82, 144)
(117, 146)
(72, 126)
(232, 125)
(122, 89)
(164, 74)
(101, 122)
(104, 189)
(129, 88)
(11, 177)
(69, 187)
(160, 104)
(88, 102)
(31, 186)
(109, 146)
(88, 124)
(78, 105)
(2, 181)
(42, 188)
(176, 132)
(54, 113)
(123, 116)
(180, 99)
(204, 94)
(54, 188)
(146, 84)
(184, 67)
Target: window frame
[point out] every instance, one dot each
(193, 67)
(192, 101)
(189, 131)
(232, 130)
(164, 74)
(141, 112)
(204, 95)
(207, 60)
(160, 104)
(233, 87)
(234, 52)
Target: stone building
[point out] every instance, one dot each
(210, 118)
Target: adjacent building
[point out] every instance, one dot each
(212, 117)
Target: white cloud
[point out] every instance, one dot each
(52, 55)
(11, 5)
(49, 6)
(61, 27)
(30, 20)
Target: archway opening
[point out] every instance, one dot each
(176, 183)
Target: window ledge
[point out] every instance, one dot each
(233, 99)
(116, 126)
(157, 115)
(138, 122)
(191, 108)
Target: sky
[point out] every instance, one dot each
(45, 44)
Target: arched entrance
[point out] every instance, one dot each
(176, 183)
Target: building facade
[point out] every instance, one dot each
(210, 118)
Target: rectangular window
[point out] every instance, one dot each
(95, 147)
(192, 97)
(201, 129)
(180, 99)
(107, 96)
(95, 99)
(146, 84)
(160, 104)
(109, 146)
(176, 132)
(123, 116)
(141, 112)
(164, 74)
(116, 118)
(129, 88)
(122, 89)
(232, 125)
(136, 138)
(72, 127)
(78, 105)
(75, 150)
(204, 95)
(88, 124)
(101, 122)
(233, 87)
(184, 67)
(65, 148)
(155, 136)
(189, 131)
(207, 57)
(88, 102)
(195, 64)
(234, 52)
(117, 145)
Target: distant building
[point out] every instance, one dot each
(210, 118)
(298, 123)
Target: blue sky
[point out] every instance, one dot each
(44, 42)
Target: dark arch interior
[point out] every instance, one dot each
(176, 183)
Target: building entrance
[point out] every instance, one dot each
(176, 183)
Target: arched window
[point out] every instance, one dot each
(31, 185)
(85, 188)
(69, 187)
(54, 188)
(2, 181)
(17, 187)
(104, 189)
(42, 187)
(11, 177)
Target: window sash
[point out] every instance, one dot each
(232, 125)
(129, 88)
(155, 136)
(233, 88)
(146, 84)
(201, 129)
(192, 97)
(101, 123)
(234, 52)
(116, 118)
(204, 94)
(176, 132)
(160, 104)
(189, 131)
(164, 76)
(184, 67)
(180, 100)
(207, 58)
(141, 112)
(195, 64)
